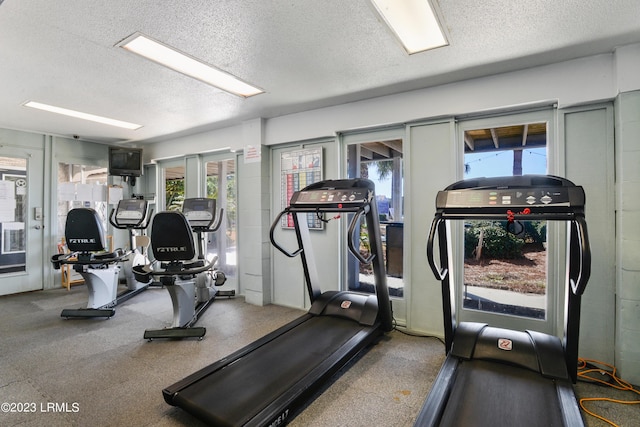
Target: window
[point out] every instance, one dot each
(81, 186)
(221, 185)
(174, 187)
(13, 183)
(503, 273)
(381, 162)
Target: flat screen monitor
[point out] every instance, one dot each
(125, 161)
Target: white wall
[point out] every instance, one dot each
(430, 166)
(627, 64)
(587, 133)
(568, 83)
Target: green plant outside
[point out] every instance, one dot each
(498, 242)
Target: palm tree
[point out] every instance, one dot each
(385, 168)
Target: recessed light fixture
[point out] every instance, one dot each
(81, 115)
(188, 65)
(414, 22)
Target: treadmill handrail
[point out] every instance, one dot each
(579, 283)
(439, 272)
(272, 231)
(363, 210)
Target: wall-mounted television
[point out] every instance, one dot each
(125, 161)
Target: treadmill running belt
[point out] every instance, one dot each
(495, 394)
(235, 393)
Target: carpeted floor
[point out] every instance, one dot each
(95, 372)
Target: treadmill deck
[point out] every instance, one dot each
(268, 378)
(497, 394)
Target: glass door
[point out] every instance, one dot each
(21, 220)
(378, 156)
(221, 185)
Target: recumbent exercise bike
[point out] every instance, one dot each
(100, 269)
(190, 281)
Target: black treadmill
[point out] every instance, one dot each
(501, 377)
(269, 381)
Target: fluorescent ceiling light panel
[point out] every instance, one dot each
(414, 22)
(80, 115)
(185, 64)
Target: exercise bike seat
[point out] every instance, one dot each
(172, 245)
(85, 240)
(171, 237)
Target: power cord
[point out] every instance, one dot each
(411, 334)
(591, 371)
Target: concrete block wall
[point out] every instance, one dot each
(254, 218)
(628, 236)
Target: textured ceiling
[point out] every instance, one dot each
(305, 54)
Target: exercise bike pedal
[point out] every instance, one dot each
(227, 294)
(177, 333)
(88, 312)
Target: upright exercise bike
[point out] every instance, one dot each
(86, 241)
(191, 282)
(130, 215)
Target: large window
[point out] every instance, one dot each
(81, 186)
(506, 273)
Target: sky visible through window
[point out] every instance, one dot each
(500, 163)
(487, 164)
(383, 187)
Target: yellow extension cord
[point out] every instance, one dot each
(585, 369)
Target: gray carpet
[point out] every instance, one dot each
(95, 372)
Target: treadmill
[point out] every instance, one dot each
(501, 377)
(269, 381)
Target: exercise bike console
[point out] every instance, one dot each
(200, 212)
(130, 215)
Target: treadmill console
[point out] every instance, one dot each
(335, 198)
(508, 197)
(538, 193)
(131, 212)
(200, 211)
